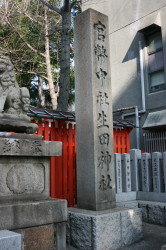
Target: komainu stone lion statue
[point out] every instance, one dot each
(14, 102)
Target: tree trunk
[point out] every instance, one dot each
(40, 91)
(53, 95)
(65, 60)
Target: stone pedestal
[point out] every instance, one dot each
(10, 240)
(108, 229)
(25, 190)
(24, 166)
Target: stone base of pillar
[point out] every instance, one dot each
(42, 223)
(10, 240)
(108, 229)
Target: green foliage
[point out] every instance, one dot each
(22, 41)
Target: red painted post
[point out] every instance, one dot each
(52, 163)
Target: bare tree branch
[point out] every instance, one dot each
(51, 7)
(27, 44)
(32, 19)
(32, 72)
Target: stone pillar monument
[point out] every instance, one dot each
(95, 163)
(96, 223)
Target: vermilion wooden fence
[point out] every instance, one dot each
(63, 169)
(122, 140)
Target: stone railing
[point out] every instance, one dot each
(140, 176)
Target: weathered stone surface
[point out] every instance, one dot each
(19, 126)
(24, 178)
(10, 240)
(38, 238)
(14, 102)
(118, 173)
(106, 231)
(135, 155)
(61, 236)
(126, 173)
(158, 181)
(151, 196)
(26, 147)
(80, 231)
(95, 163)
(109, 229)
(153, 212)
(146, 173)
(128, 204)
(125, 196)
(131, 226)
(33, 213)
(20, 136)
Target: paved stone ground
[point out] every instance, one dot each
(153, 238)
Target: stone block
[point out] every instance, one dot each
(61, 236)
(24, 166)
(24, 178)
(106, 231)
(20, 136)
(126, 173)
(153, 212)
(164, 168)
(131, 226)
(17, 125)
(38, 238)
(128, 204)
(146, 173)
(109, 229)
(151, 196)
(10, 240)
(125, 196)
(80, 230)
(135, 155)
(118, 173)
(158, 181)
(28, 147)
(28, 214)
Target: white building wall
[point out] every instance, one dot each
(126, 18)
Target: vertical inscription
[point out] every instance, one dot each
(155, 174)
(144, 175)
(118, 172)
(128, 180)
(126, 173)
(102, 99)
(158, 183)
(96, 180)
(100, 31)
